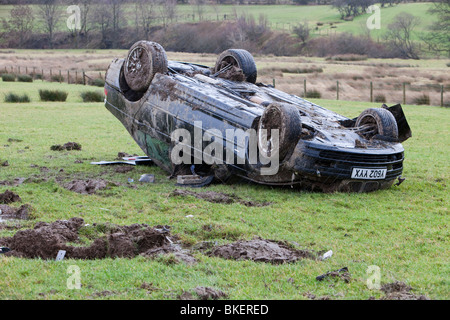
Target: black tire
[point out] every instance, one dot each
(238, 58)
(286, 118)
(378, 121)
(144, 60)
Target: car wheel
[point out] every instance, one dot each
(144, 60)
(377, 121)
(286, 119)
(239, 58)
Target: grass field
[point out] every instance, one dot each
(283, 17)
(403, 230)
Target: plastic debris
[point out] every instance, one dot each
(327, 255)
(147, 178)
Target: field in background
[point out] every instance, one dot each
(403, 230)
(281, 17)
(387, 75)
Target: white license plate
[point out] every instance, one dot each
(369, 174)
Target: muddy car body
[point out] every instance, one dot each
(318, 148)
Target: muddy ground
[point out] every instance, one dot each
(66, 147)
(400, 291)
(217, 197)
(261, 250)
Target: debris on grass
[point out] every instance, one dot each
(5, 164)
(342, 274)
(67, 146)
(261, 250)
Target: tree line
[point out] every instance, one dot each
(105, 24)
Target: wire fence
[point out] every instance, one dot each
(372, 93)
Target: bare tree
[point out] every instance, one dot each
(168, 10)
(146, 15)
(85, 11)
(102, 20)
(50, 13)
(438, 37)
(302, 31)
(198, 6)
(399, 35)
(20, 24)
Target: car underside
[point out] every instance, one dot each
(315, 148)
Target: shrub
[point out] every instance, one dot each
(314, 94)
(447, 104)
(424, 99)
(8, 77)
(92, 96)
(53, 95)
(57, 78)
(302, 70)
(24, 78)
(347, 57)
(15, 98)
(39, 76)
(98, 82)
(380, 98)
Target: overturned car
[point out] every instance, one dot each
(220, 122)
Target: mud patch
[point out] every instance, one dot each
(67, 146)
(400, 291)
(261, 250)
(46, 239)
(22, 213)
(88, 186)
(203, 293)
(4, 163)
(234, 74)
(16, 182)
(123, 169)
(9, 197)
(218, 197)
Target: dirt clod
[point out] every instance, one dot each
(218, 197)
(400, 291)
(46, 239)
(207, 293)
(5, 164)
(261, 250)
(9, 197)
(14, 183)
(67, 146)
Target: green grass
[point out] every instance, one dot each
(402, 230)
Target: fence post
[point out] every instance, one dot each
(42, 73)
(68, 77)
(404, 93)
(304, 88)
(100, 74)
(76, 76)
(337, 90)
(60, 76)
(34, 72)
(442, 95)
(274, 83)
(51, 74)
(18, 70)
(26, 70)
(84, 78)
(371, 91)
